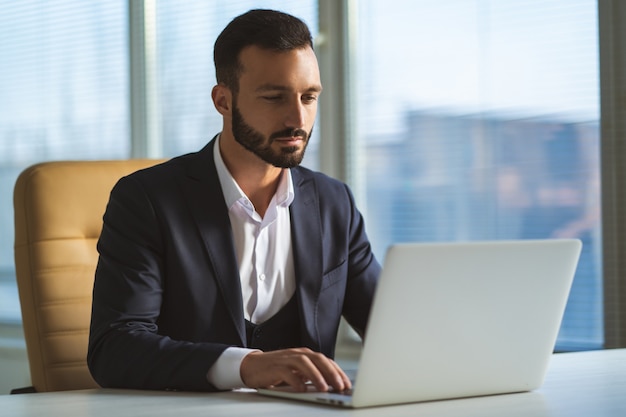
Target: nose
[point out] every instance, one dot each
(296, 115)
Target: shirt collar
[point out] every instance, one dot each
(233, 193)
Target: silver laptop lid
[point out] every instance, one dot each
(464, 319)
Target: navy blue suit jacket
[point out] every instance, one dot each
(167, 296)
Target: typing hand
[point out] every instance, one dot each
(294, 367)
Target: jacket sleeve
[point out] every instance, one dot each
(126, 349)
(363, 271)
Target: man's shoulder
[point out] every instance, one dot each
(171, 169)
(302, 174)
(161, 168)
(329, 190)
(157, 175)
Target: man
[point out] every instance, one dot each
(232, 266)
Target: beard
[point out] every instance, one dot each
(258, 144)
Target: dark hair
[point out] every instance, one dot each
(267, 29)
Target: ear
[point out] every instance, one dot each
(222, 99)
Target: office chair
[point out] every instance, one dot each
(58, 219)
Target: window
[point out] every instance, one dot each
(64, 96)
(479, 120)
(475, 119)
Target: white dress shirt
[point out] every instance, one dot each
(265, 258)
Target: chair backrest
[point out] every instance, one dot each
(58, 219)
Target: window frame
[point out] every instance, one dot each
(612, 41)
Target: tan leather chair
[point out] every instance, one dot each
(58, 219)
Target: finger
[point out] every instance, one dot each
(306, 369)
(331, 372)
(347, 383)
(294, 379)
(341, 381)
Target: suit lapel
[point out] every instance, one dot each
(203, 191)
(306, 241)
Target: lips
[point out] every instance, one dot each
(289, 136)
(290, 141)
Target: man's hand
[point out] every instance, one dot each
(294, 367)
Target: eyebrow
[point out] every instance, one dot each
(279, 87)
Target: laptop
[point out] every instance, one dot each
(455, 320)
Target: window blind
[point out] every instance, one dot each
(64, 95)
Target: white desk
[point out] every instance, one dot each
(586, 384)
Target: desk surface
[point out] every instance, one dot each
(577, 384)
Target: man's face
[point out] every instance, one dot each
(275, 108)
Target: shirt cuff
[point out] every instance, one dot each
(225, 373)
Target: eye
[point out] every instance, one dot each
(309, 98)
(272, 98)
